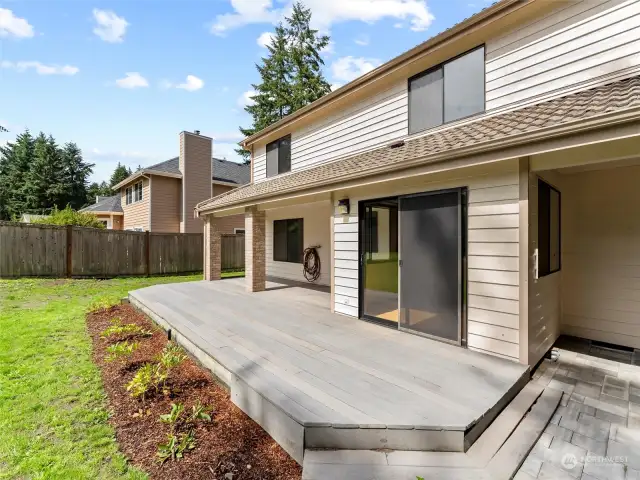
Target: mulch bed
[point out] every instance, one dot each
(231, 443)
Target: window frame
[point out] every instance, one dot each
(279, 157)
(236, 232)
(131, 193)
(548, 270)
(441, 66)
(273, 252)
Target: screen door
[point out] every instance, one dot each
(431, 249)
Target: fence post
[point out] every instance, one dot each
(69, 251)
(147, 243)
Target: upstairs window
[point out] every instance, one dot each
(548, 229)
(279, 156)
(448, 92)
(133, 193)
(288, 240)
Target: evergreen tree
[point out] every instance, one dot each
(98, 190)
(305, 45)
(119, 174)
(290, 76)
(15, 160)
(76, 175)
(44, 182)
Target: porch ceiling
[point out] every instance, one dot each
(586, 110)
(328, 370)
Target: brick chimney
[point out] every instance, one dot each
(195, 166)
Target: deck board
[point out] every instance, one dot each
(324, 368)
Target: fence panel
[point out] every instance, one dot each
(108, 253)
(232, 252)
(175, 253)
(32, 250)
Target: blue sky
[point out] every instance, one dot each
(123, 78)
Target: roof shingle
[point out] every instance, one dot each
(597, 101)
(223, 170)
(106, 204)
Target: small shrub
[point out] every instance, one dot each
(120, 350)
(181, 437)
(176, 446)
(124, 331)
(172, 356)
(68, 216)
(143, 381)
(155, 375)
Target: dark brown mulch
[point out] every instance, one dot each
(230, 443)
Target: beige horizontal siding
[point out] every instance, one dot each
(136, 215)
(165, 204)
(578, 42)
(601, 256)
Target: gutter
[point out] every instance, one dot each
(569, 128)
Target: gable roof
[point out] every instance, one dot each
(106, 204)
(442, 144)
(223, 171)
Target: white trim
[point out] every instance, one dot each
(224, 184)
(144, 173)
(235, 230)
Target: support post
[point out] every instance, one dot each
(213, 249)
(254, 252)
(69, 251)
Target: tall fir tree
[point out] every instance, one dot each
(305, 44)
(44, 183)
(291, 74)
(15, 159)
(97, 190)
(76, 176)
(119, 174)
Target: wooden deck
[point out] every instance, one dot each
(320, 380)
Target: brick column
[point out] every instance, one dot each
(254, 249)
(212, 249)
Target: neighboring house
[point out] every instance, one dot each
(30, 217)
(108, 210)
(161, 198)
(479, 189)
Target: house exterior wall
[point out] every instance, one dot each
(493, 252)
(114, 222)
(601, 256)
(136, 215)
(315, 232)
(578, 42)
(195, 165)
(165, 204)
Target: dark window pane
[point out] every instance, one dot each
(549, 246)
(284, 154)
(280, 240)
(425, 101)
(272, 159)
(464, 86)
(554, 230)
(294, 240)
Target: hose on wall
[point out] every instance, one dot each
(311, 263)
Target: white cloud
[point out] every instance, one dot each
(132, 80)
(12, 26)
(326, 13)
(330, 49)
(245, 99)
(362, 40)
(264, 39)
(40, 68)
(110, 27)
(191, 84)
(348, 68)
(335, 86)
(106, 160)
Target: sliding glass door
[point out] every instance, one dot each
(431, 273)
(379, 260)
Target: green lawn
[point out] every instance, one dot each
(53, 417)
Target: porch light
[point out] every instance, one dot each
(343, 206)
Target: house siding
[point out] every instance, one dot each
(375, 121)
(577, 42)
(601, 256)
(165, 204)
(493, 249)
(195, 165)
(316, 232)
(136, 215)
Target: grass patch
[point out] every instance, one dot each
(53, 420)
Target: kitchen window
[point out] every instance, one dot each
(288, 240)
(279, 156)
(448, 92)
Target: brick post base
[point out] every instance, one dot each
(254, 251)
(212, 249)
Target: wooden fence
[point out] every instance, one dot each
(50, 251)
(232, 252)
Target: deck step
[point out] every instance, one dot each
(498, 455)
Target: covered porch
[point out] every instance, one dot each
(315, 379)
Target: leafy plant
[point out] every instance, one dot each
(143, 381)
(176, 446)
(172, 356)
(124, 331)
(68, 216)
(121, 349)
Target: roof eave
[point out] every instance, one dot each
(409, 55)
(142, 173)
